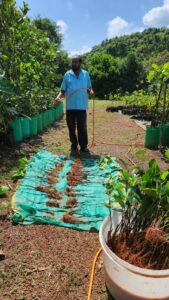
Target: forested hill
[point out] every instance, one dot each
(123, 62)
(149, 43)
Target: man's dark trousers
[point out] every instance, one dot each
(76, 118)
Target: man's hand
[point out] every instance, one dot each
(57, 100)
(91, 92)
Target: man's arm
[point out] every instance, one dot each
(90, 90)
(59, 97)
(62, 92)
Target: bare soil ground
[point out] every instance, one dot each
(48, 262)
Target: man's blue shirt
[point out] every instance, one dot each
(76, 89)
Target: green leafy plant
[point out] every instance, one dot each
(143, 233)
(140, 154)
(31, 57)
(158, 78)
(146, 191)
(167, 154)
(3, 190)
(4, 205)
(22, 168)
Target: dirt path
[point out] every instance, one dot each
(110, 128)
(48, 262)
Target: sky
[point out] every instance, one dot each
(86, 23)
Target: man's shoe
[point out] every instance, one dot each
(85, 150)
(74, 151)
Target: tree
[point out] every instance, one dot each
(136, 53)
(131, 71)
(50, 27)
(29, 58)
(103, 69)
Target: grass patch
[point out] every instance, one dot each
(73, 280)
(104, 294)
(105, 103)
(100, 103)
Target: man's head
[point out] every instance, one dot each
(76, 63)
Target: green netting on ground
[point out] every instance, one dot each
(30, 205)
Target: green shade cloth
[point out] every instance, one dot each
(30, 206)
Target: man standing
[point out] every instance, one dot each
(76, 85)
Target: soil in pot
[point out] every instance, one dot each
(148, 249)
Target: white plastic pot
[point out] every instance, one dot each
(126, 281)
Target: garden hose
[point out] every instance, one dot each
(75, 91)
(129, 150)
(92, 274)
(94, 143)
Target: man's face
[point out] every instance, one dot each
(75, 64)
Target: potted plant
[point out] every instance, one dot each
(135, 240)
(157, 133)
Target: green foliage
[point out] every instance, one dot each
(159, 73)
(158, 59)
(158, 78)
(140, 154)
(167, 154)
(133, 54)
(139, 97)
(4, 205)
(145, 44)
(3, 190)
(50, 27)
(103, 69)
(22, 168)
(29, 57)
(110, 74)
(106, 161)
(143, 190)
(7, 108)
(131, 73)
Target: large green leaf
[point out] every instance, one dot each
(140, 154)
(7, 87)
(164, 175)
(167, 154)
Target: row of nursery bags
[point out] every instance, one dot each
(157, 136)
(26, 127)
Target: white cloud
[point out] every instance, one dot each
(73, 52)
(62, 25)
(116, 27)
(119, 26)
(83, 50)
(166, 2)
(158, 16)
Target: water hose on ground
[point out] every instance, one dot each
(129, 150)
(92, 274)
(94, 142)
